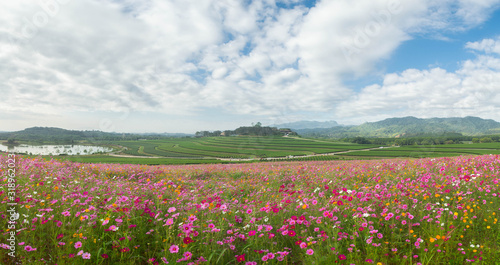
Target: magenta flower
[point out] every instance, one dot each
(174, 249)
(78, 244)
(29, 248)
(252, 233)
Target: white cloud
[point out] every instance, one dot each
(470, 91)
(486, 45)
(243, 57)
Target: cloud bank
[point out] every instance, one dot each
(260, 57)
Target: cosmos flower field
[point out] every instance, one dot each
(419, 211)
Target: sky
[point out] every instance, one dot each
(182, 66)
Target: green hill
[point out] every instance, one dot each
(410, 127)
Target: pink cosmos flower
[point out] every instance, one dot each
(174, 249)
(78, 244)
(86, 255)
(29, 248)
(309, 252)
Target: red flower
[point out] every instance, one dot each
(240, 258)
(104, 256)
(188, 240)
(342, 257)
(291, 233)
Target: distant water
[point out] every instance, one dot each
(55, 149)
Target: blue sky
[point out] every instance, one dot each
(183, 66)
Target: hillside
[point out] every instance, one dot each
(52, 134)
(409, 127)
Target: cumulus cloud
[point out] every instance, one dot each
(472, 90)
(486, 45)
(260, 57)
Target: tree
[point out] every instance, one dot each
(486, 140)
(258, 124)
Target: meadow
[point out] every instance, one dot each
(393, 211)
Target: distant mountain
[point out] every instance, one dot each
(410, 126)
(52, 134)
(307, 125)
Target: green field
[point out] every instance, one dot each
(211, 150)
(235, 147)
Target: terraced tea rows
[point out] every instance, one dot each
(235, 147)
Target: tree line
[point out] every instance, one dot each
(429, 140)
(254, 130)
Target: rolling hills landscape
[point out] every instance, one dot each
(388, 128)
(403, 127)
(250, 132)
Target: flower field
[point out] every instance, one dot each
(419, 211)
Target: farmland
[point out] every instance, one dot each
(213, 150)
(235, 147)
(246, 149)
(394, 211)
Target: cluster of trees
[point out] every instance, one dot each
(427, 140)
(254, 130)
(42, 135)
(486, 139)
